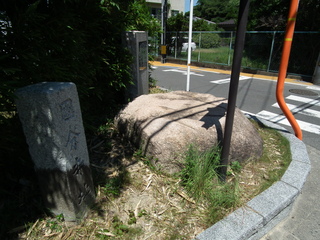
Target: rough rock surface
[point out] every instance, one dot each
(164, 125)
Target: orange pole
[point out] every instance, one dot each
(284, 66)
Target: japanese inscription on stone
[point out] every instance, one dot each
(51, 118)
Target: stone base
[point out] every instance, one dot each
(69, 193)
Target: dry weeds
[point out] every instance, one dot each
(148, 204)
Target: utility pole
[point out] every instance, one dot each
(234, 82)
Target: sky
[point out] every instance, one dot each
(187, 4)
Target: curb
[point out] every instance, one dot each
(258, 216)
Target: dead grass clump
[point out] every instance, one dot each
(135, 201)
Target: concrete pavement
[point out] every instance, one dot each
(303, 222)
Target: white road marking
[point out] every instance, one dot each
(281, 119)
(300, 110)
(315, 102)
(314, 88)
(183, 72)
(227, 80)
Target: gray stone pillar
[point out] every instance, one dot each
(137, 43)
(316, 74)
(52, 123)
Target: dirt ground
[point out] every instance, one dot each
(156, 205)
(135, 201)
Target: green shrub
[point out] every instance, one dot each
(210, 40)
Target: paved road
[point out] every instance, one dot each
(256, 95)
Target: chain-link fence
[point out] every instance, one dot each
(262, 50)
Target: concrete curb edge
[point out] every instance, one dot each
(266, 210)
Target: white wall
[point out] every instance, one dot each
(178, 5)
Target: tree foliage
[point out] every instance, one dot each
(217, 10)
(203, 25)
(71, 40)
(272, 15)
(180, 22)
(268, 15)
(308, 17)
(139, 18)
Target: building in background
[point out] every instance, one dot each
(229, 25)
(174, 7)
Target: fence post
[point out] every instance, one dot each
(176, 45)
(230, 49)
(271, 51)
(199, 47)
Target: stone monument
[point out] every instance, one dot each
(52, 123)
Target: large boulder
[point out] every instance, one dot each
(164, 125)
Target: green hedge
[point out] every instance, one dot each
(208, 40)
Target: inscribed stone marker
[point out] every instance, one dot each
(52, 123)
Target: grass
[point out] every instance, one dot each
(201, 181)
(277, 159)
(223, 56)
(154, 90)
(214, 55)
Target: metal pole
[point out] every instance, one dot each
(271, 51)
(293, 10)
(233, 89)
(189, 45)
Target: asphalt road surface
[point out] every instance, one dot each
(256, 95)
